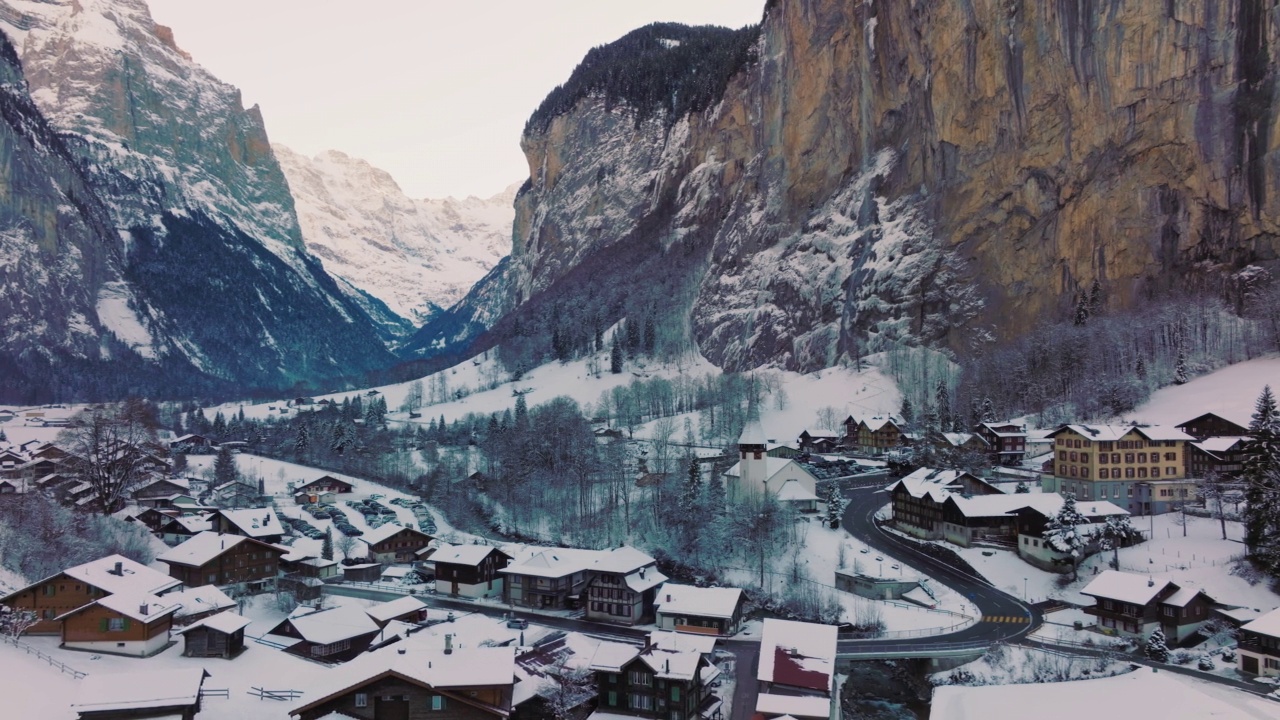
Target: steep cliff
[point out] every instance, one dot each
(947, 173)
(207, 282)
(416, 256)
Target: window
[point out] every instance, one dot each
(1102, 458)
(1142, 457)
(1128, 457)
(1170, 471)
(1103, 492)
(437, 702)
(1108, 604)
(675, 693)
(1084, 457)
(362, 700)
(1272, 663)
(1115, 458)
(1062, 455)
(637, 677)
(1108, 622)
(1171, 456)
(641, 702)
(1129, 492)
(48, 590)
(115, 624)
(1074, 456)
(1103, 473)
(613, 698)
(1084, 471)
(1168, 612)
(1128, 472)
(515, 580)
(331, 648)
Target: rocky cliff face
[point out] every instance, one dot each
(205, 274)
(416, 256)
(948, 173)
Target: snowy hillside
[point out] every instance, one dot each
(1229, 392)
(414, 255)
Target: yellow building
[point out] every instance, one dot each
(1129, 465)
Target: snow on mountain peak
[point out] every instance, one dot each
(414, 255)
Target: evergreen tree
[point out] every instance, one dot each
(943, 400)
(1156, 648)
(1140, 369)
(3, 437)
(1022, 489)
(1116, 533)
(326, 550)
(521, 413)
(1082, 312)
(302, 441)
(1261, 475)
(1180, 368)
(224, 467)
(219, 428)
(908, 411)
(1095, 298)
(690, 510)
(836, 504)
(988, 410)
(1062, 532)
(650, 335)
(179, 463)
(633, 339)
(615, 357)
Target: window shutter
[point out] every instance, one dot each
(102, 624)
(126, 624)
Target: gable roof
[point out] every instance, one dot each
(206, 546)
(223, 622)
(676, 599)
(799, 654)
(1184, 596)
(135, 577)
(753, 434)
(387, 611)
(793, 491)
(1126, 587)
(1215, 445)
(1111, 433)
(254, 522)
(622, 559)
(139, 690)
(329, 626)
(1268, 624)
(196, 600)
(326, 478)
(386, 532)
(1239, 421)
(470, 555)
(143, 607)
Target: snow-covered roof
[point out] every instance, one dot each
(193, 523)
(551, 562)
(797, 653)
(1219, 444)
(143, 607)
(387, 611)
(138, 690)
(1268, 624)
(133, 577)
(958, 439)
(1110, 433)
(1125, 587)
(794, 706)
(464, 667)
(669, 664)
(938, 485)
(1047, 504)
(330, 626)
(753, 434)
(622, 559)
(1143, 693)
(255, 522)
(201, 548)
(644, 578)
(992, 427)
(793, 491)
(682, 642)
(611, 656)
(674, 599)
(386, 532)
(1181, 597)
(196, 600)
(772, 466)
(224, 622)
(874, 424)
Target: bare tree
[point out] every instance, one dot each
(569, 688)
(345, 544)
(14, 622)
(114, 447)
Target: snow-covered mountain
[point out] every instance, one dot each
(416, 256)
(193, 273)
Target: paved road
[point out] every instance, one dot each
(864, 502)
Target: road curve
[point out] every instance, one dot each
(992, 603)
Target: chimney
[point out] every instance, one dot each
(1151, 583)
(448, 644)
(666, 666)
(142, 609)
(400, 651)
(668, 597)
(642, 572)
(266, 520)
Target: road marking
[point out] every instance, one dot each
(1014, 619)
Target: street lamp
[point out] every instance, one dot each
(1024, 590)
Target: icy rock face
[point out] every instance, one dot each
(214, 280)
(416, 256)
(947, 173)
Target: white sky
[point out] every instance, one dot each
(434, 92)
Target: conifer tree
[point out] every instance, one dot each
(943, 401)
(224, 466)
(1062, 532)
(1261, 474)
(1022, 489)
(1082, 312)
(836, 504)
(1180, 368)
(326, 550)
(615, 357)
(1156, 648)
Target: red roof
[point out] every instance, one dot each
(787, 670)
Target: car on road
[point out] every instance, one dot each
(518, 623)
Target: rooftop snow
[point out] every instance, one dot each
(1111, 433)
(200, 599)
(676, 599)
(134, 577)
(139, 690)
(201, 548)
(1125, 587)
(794, 705)
(621, 560)
(330, 626)
(793, 491)
(810, 647)
(682, 642)
(388, 611)
(255, 522)
(386, 532)
(1268, 624)
(223, 622)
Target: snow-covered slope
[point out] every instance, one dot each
(417, 256)
(1230, 392)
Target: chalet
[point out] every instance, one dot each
(362, 572)
(1007, 441)
(220, 635)
(330, 636)
(465, 684)
(124, 623)
(1135, 605)
(319, 568)
(756, 473)
(875, 435)
(257, 523)
(1258, 651)
(153, 518)
(1221, 457)
(215, 559)
(817, 442)
(551, 578)
(190, 442)
(1033, 519)
(623, 586)
(654, 682)
(470, 570)
(178, 530)
(1212, 425)
(12, 487)
(169, 694)
(705, 611)
(78, 586)
(971, 442)
(198, 603)
(325, 484)
(161, 492)
(797, 671)
(407, 609)
(393, 543)
(1107, 462)
(918, 498)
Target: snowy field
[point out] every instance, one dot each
(1229, 392)
(1201, 560)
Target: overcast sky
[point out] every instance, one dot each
(434, 92)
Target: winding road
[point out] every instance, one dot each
(1005, 618)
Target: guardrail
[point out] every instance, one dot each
(912, 650)
(384, 587)
(62, 667)
(274, 694)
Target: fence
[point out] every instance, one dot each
(62, 667)
(275, 694)
(384, 587)
(215, 693)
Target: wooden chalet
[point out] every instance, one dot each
(878, 435)
(1258, 650)
(395, 544)
(796, 671)
(552, 578)
(220, 635)
(1210, 425)
(75, 587)
(212, 558)
(623, 587)
(1007, 440)
(655, 682)
(407, 609)
(325, 484)
(704, 611)
(134, 624)
(190, 442)
(177, 530)
(1221, 457)
(334, 635)
(257, 523)
(470, 570)
(161, 492)
(198, 603)
(464, 684)
(1135, 605)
